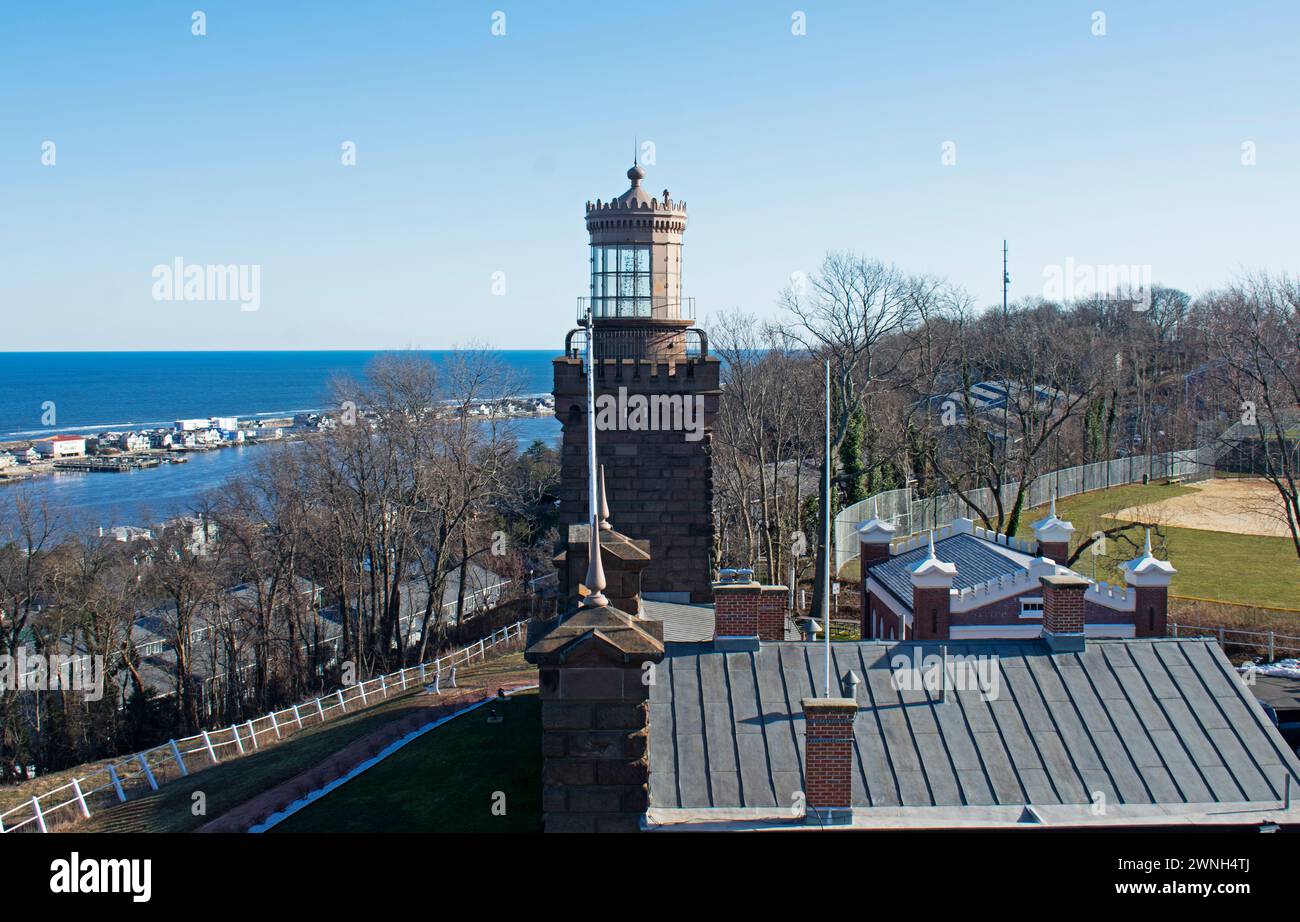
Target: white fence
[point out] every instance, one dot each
(911, 516)
(144, 771)
(1270, 641)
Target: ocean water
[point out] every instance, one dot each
(95, 391)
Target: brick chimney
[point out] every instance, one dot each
(828, 757)
(745, 610)
(1148, 580)
(874, 536)
(1053, 536)
(1063, 616)
(595, 719)
(931, 584)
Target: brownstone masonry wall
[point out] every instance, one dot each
(1151, 611)
(828, 751)
(772, 612)
(659, 484)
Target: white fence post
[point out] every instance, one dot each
(81, 799)
(252, 733)
(1270, 645)
(402, 675)
(320, 710)
(176, 754)
(148, 772)
(342, 703)
(383, 687)
(361, 687)
(453, 676)
(40, 817)
(275, 723)
(117, 783)
(212, 753)
(422, 673)
(239, 744)
(297, 716)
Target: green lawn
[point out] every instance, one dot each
(1242, 569)
(445, 781)
(1245, 569)
(233, 782)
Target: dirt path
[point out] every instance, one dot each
(1244, 507)
(411, 718)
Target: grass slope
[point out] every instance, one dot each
(445, 781)
(225, 786)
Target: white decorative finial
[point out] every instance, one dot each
(932, 554)
(595, 580)
(604, 503)
(1146, 551)
(875, 512)
(1053, 502)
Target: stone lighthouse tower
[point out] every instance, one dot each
(656, 392)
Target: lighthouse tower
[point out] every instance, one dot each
(656, 392)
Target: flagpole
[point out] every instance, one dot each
(826, 536)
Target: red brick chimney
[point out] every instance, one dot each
(931, 587)
(1063, 616)
(1053, 536)
(874, 536)
(828, 756)
(746, 609)
(1148, 579)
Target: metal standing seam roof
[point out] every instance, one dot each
(977, 562)
(1141, 721)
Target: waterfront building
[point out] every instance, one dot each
(7, 460)
(190, 425)
(61, 446)
(133, 441)
(656, 389)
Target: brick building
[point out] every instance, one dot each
(965, 583)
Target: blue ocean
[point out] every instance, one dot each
(89, 392)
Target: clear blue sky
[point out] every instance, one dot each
(476, 153)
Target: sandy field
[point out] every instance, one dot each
(1244, 507)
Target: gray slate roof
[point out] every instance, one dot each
(1142, 721)
(977, 562)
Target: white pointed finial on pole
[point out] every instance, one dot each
(1146, 550)
(595, 580)
(1053, 511)
(604, 503)
(932, 554)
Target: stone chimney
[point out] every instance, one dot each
(624, 559)
(1063, 614)
(931, 584)
(1148, 579)
(874, 536)
(595, 719)
(1053, 536)
(828, 757)
(745, 611)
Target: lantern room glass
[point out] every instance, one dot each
(620, 281)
